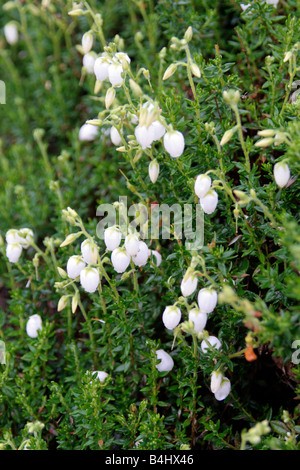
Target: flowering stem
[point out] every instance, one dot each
(89, 326)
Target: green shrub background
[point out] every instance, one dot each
(47, 398)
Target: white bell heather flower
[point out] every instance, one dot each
(189, 283)
(115, 74)
(87, 42)
(100, 375)
(132, 244)
(12, 236)
(207, 300)
(88, 132)
(198, 318)
(202, 185)
(26, 237)
(120, 260)
(34, 323)
(153, 170)
(11, 33)
(171, 317)
(213, 341)
(141, 258)
(215, 380)
(115, 136)
(13, 252)
(89, 279)
(281, 173)
(174, 143)
(158, 130)
(224, 389)
(112, 238)
(144, 136)
(88, 62)
(101, 68)
(74, 266)
(209, 202)
(89, 251)
(157, 256)
(166, 362)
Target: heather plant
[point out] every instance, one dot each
(149, 290)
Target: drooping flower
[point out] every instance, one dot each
(207, 300)
(156, 255)
(132, 244)
(281, 173)
(202, 185)
(120, 260)
(141, 257)
(12, 236)
(171, 316)
(88, 132)
(89, 279)
(189, 283)
(174, 143)
(209, 202)
(11, 33)
(166, 362)
(26, 237)
(213, 341)
(101, 68)
(88, 62)
(198, 318)
(153, 170)
(33, 325)
(74, 266)
(100, 375)
(215, 380)
(115, 136)
(112, 238)
(89, 251)
(224, 389)
(87, 42)
(13, 252)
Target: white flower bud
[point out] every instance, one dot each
(202, 185)
(209, 202)
(141, 258)
(189, 283)
(89, 252)
(281, 174)
(115, 136)
(87, 42)
(109, 97)
(215, 380)
(207, 300)
(198, 318)
(213, 341)
(195, 70)
(132, 244)
(166, 362)
(120, 260)
(112, 238)
(74, 266)
(224, 390)
(62, 303)
(11, 33)
(89, 279)
(101, 68)
(169, 71)
(88, 62)
(13, 252)
(171, 317)
(88, 132)
(33, 324)
(100, 375)
(174, 143)
(153, 171)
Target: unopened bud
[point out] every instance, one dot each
(169, 72)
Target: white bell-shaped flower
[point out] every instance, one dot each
(158, 130)
(189, 283)
(89, 279)
(198, 318)
(115, 136)
(171, 317)
(209, 202)
(207, 300)
(132, 244)
(101, 68)
(120, 260)
(213, 341)
(166, 362)
(26, 237)
(13, 252)
(89, 251)
(215, 380)
(153, 170)
(141, 258)
(74, 266)
(224, 389)
(112, 238)
(33, 325)
(144, 136)
(202, 185)
(157, 256)
(11, 33)
(174, 143)
(100, 375)
(12, 236)
(88, 132)
(281, 173)
(115, 72)
(88, 62)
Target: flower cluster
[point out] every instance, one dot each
(16, 241)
